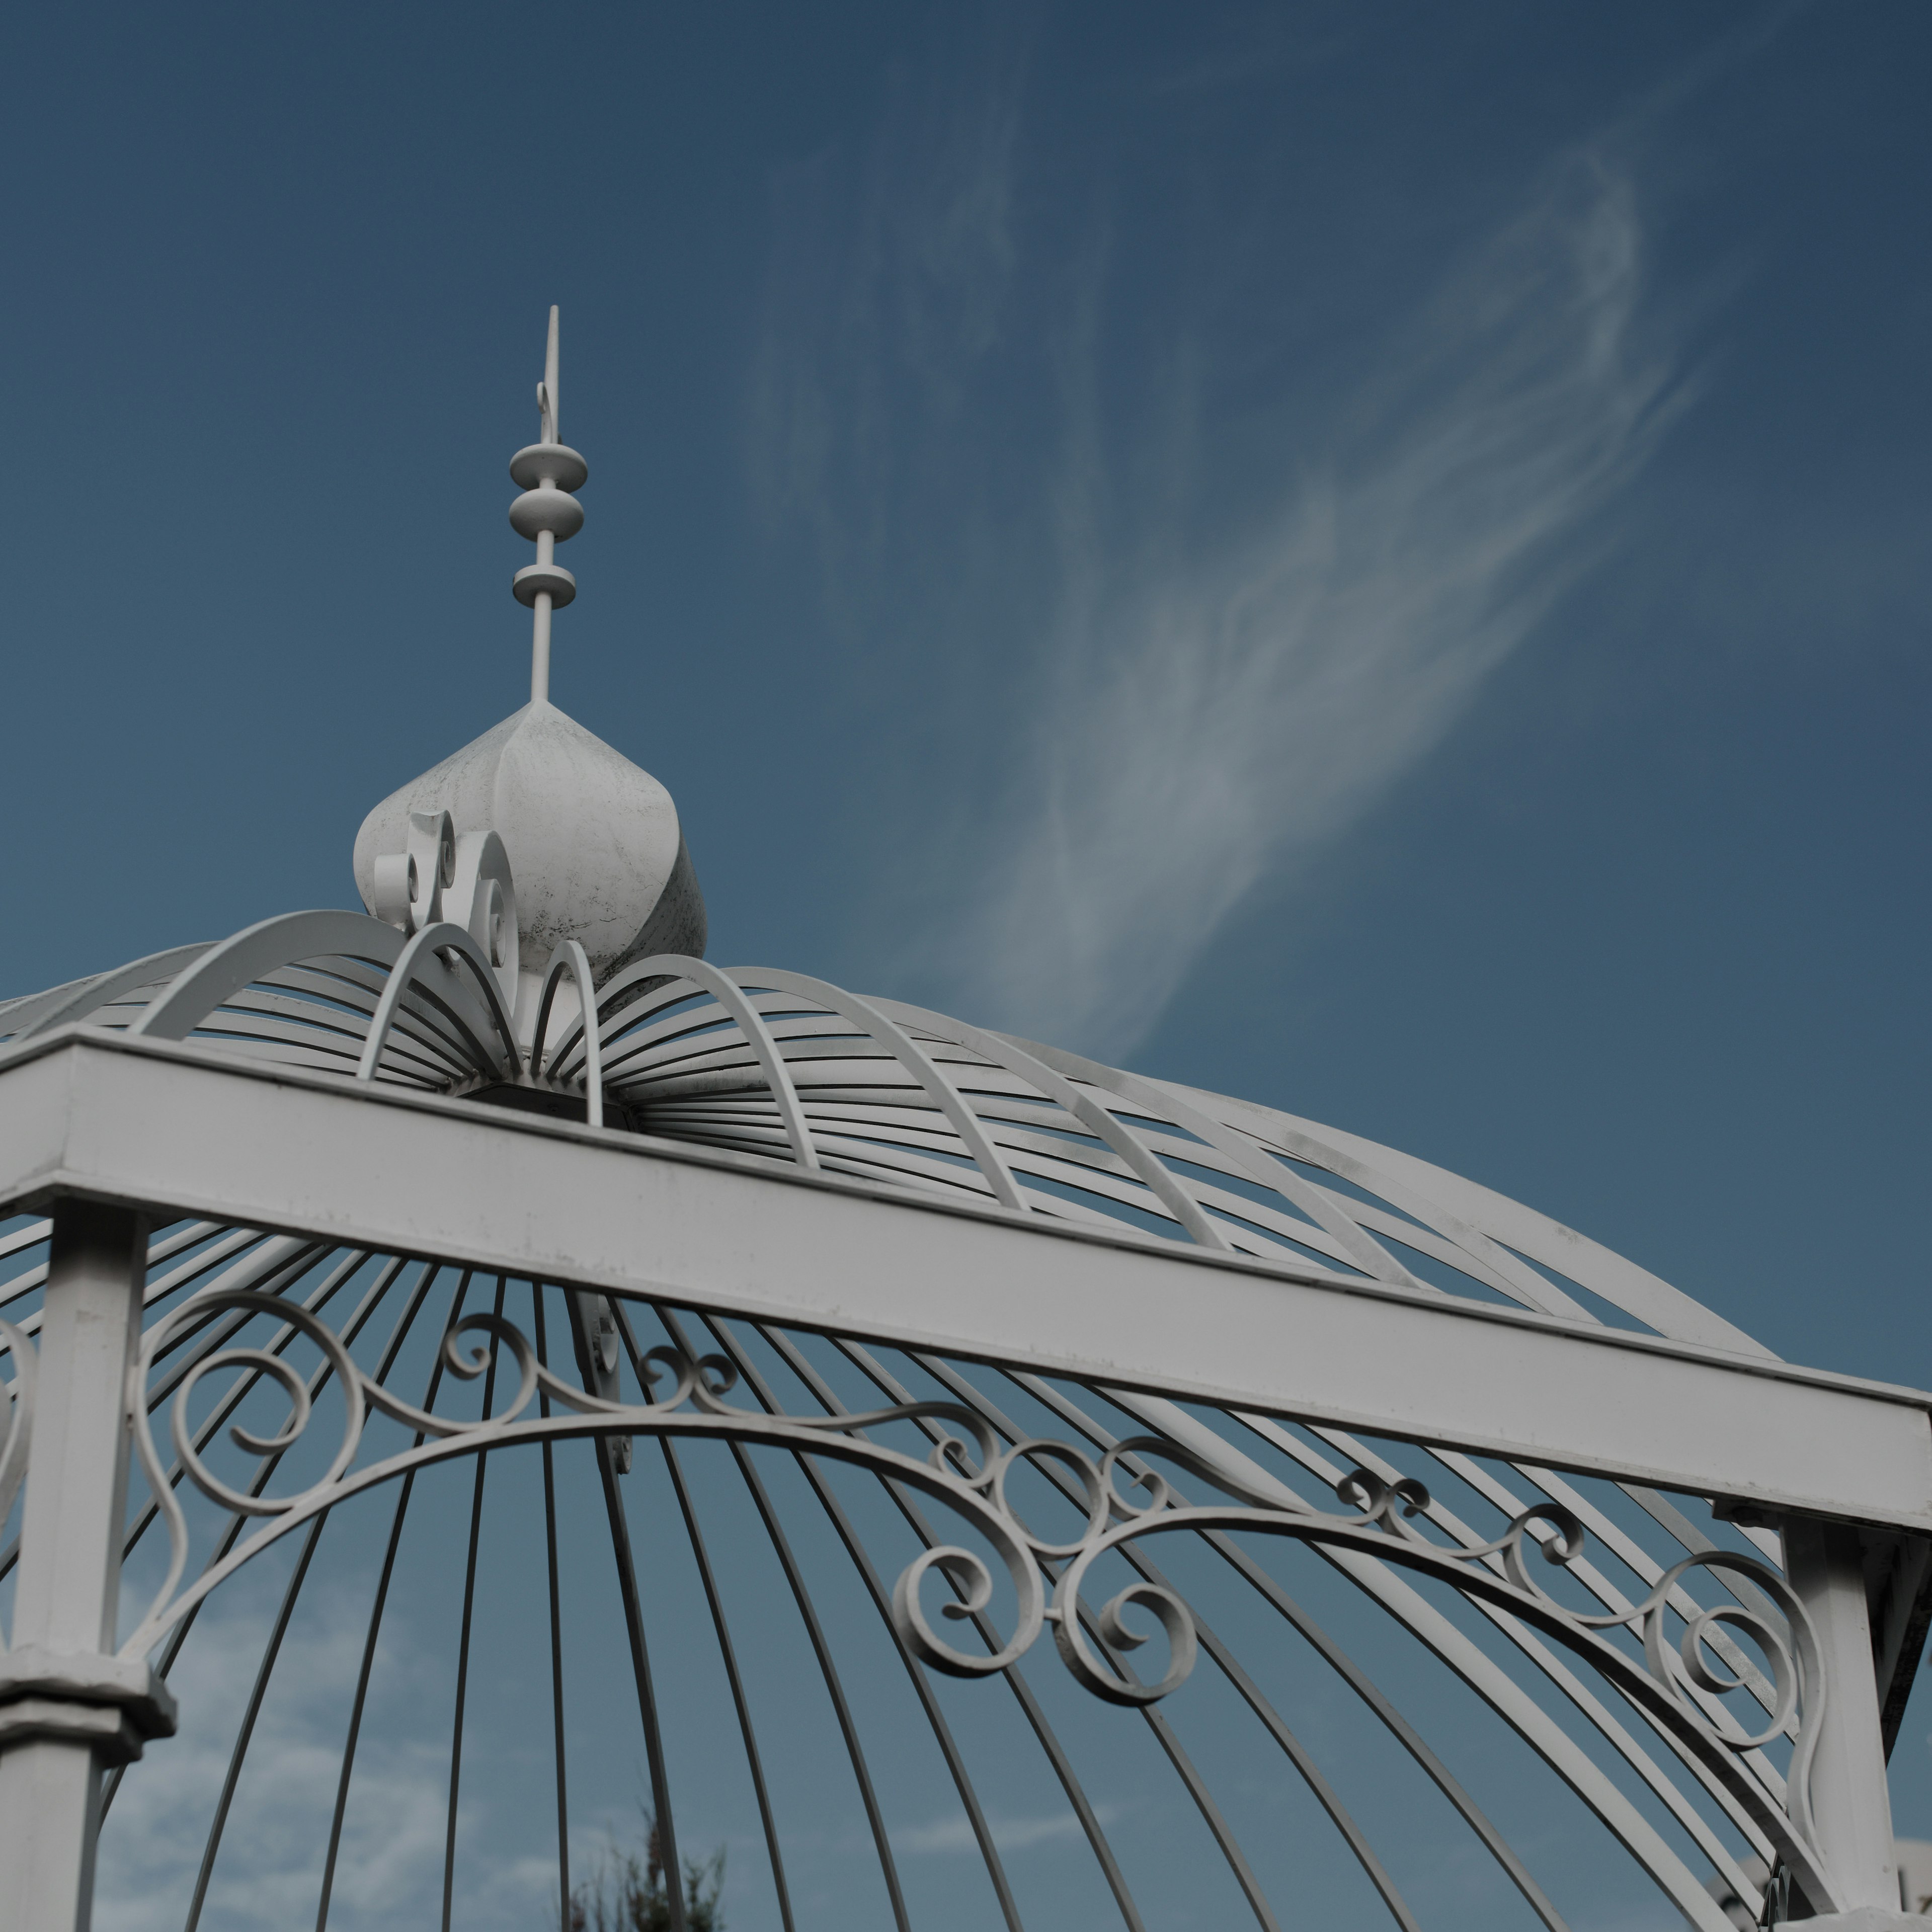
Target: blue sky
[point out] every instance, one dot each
(1371, 558)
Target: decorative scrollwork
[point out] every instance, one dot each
(1122, 1497)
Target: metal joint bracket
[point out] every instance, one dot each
(112, 1703)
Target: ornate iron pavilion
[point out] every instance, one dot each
(274, 1202)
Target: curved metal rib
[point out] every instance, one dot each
(439, 940)
(1362, 1247)
(41, 1013)
(1388, 1171)
(729, 1654)
(271, 1652)
(462, 1641)
(955, 1764)
(570, 957)
(359, 1702)
(911, 1056)
(555, 1623)
(1159, 1180)
(707, 978)
(224, 970)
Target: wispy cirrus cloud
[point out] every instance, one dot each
(1221, 718)
(1172, 690)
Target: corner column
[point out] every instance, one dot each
(68, 1708)
(1851, 1800)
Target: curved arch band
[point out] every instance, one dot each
(967, 1473)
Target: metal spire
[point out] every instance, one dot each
(547, 471)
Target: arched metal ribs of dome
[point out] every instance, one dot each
(783, 1066)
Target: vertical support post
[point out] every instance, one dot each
(68, 1708)
(1851, 1801)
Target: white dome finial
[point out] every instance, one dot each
(547, 513)
(598, 851)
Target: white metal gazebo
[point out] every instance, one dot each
(1051, 1358)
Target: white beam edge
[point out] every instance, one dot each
(184, 1130)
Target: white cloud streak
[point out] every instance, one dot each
(1201, 715)
(955, 1833)
(1213, 724)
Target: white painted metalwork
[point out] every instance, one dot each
(253, 1181)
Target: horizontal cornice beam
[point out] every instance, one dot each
(183, 1130)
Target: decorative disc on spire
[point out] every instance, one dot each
(548, 514)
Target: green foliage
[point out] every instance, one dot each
(629, 1893)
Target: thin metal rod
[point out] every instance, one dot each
(942, 1733)
(540, 648)
(640, 1661)
(219, 1823)
(1365, 1687)
(463, 1642)
(552, 426)
(896, 1391)
(835, 1688)
(1298, 1755)
(726, 1648)
(730, 1656)
(375, 1628)
(1224, 1836)
(556, 1632)
(876, 1372)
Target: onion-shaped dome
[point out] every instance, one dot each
(594, 841)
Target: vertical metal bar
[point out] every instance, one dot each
(362, 1697)
(640, 1660)
(835, 1688)
(895, 1391)
(219, 1823)
(730, 1656)
(555, 1631)
(463, 1642)
(942, 1732)
(67, 1594)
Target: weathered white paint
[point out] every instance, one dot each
(593, 841)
